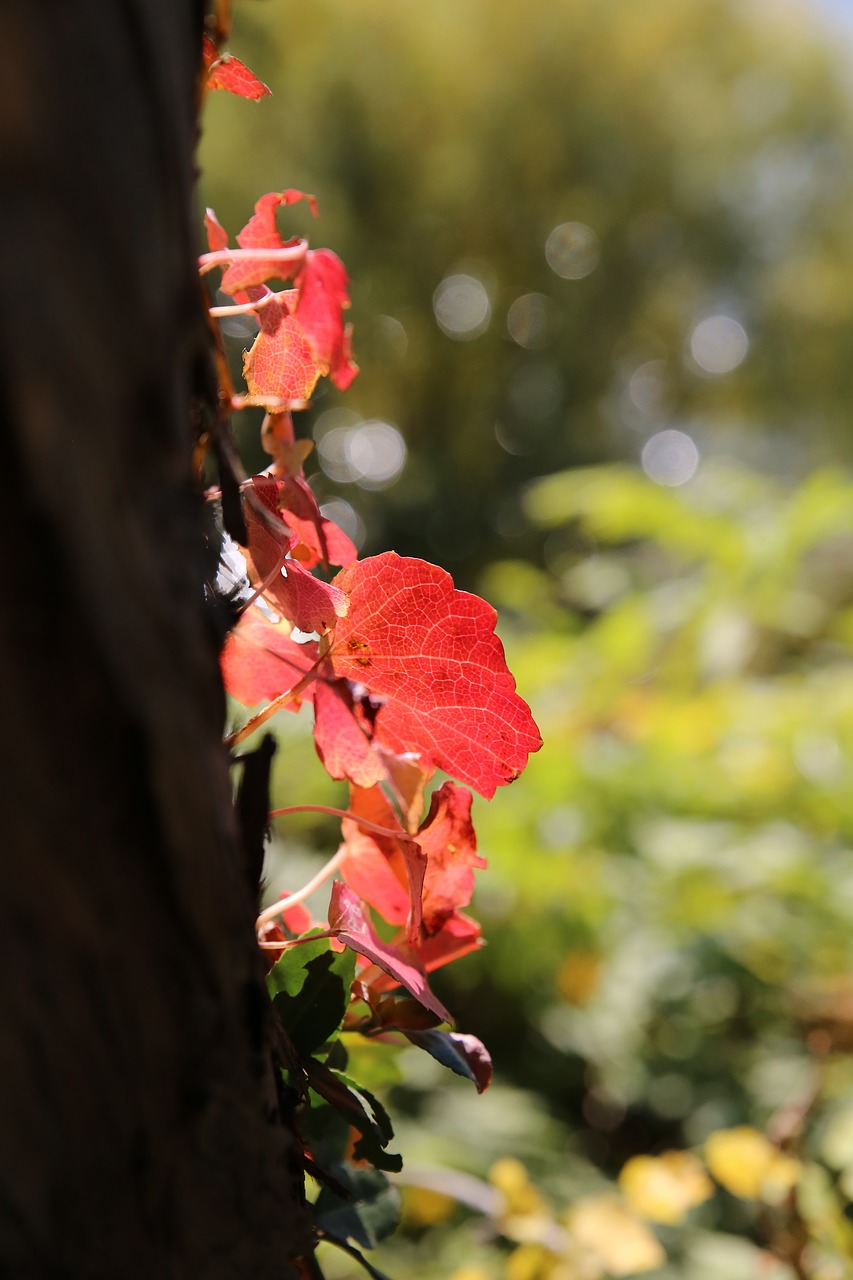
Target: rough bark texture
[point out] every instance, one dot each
(137, 1129)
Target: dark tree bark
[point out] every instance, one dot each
(138, 1124)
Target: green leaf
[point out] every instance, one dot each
(370, 1214)
(361, 1110)
(310, 989)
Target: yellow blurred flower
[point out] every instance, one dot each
(663, 1188)
(746, 1163)
(621, 1243)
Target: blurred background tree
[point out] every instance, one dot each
(568, 226)
(603, 301)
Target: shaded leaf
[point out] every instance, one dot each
(310, 989)
(362, 1110)
(370, 1214)
(431, 651)
(466, 1055)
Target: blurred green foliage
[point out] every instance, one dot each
(669, 904)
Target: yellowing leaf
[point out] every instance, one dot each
(621, 1243)
(663, 1188)
(747, 1164)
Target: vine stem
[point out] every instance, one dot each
(329, 868)
(270, 709)
(244, 308)
(224, 257)
(284, 904)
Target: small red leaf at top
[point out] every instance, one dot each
(349, 921)
(432, 653)
(260, 662)
(229, 73)
(261, 232)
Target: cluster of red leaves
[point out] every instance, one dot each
(404, 672)
(302, 335)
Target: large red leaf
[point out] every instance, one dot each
(432, 653)
(260, 661)
(348, 920)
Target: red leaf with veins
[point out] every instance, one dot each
(325, 540)
(311, 605)
(260, 662)
(432, 653)
(323, 296)
(448, 840)
(229, 73)
(349, 922)
(306, 602)
(342, 735)
(280, 368)
(261, 232)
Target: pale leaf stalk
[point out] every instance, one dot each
(224, 257)
(245, 308)
(329, 868)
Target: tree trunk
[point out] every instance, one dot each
(138, 1125)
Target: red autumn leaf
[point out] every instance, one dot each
(456, 938)
(432, 653)
(448, 840)
(229, 73)
(343, 737)
(260, 661)
(323, 297)
(306, 602)
(217, 236)
(261, 232)
(385, 872)
(323, 538)
(349, 922)
(280, 368)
